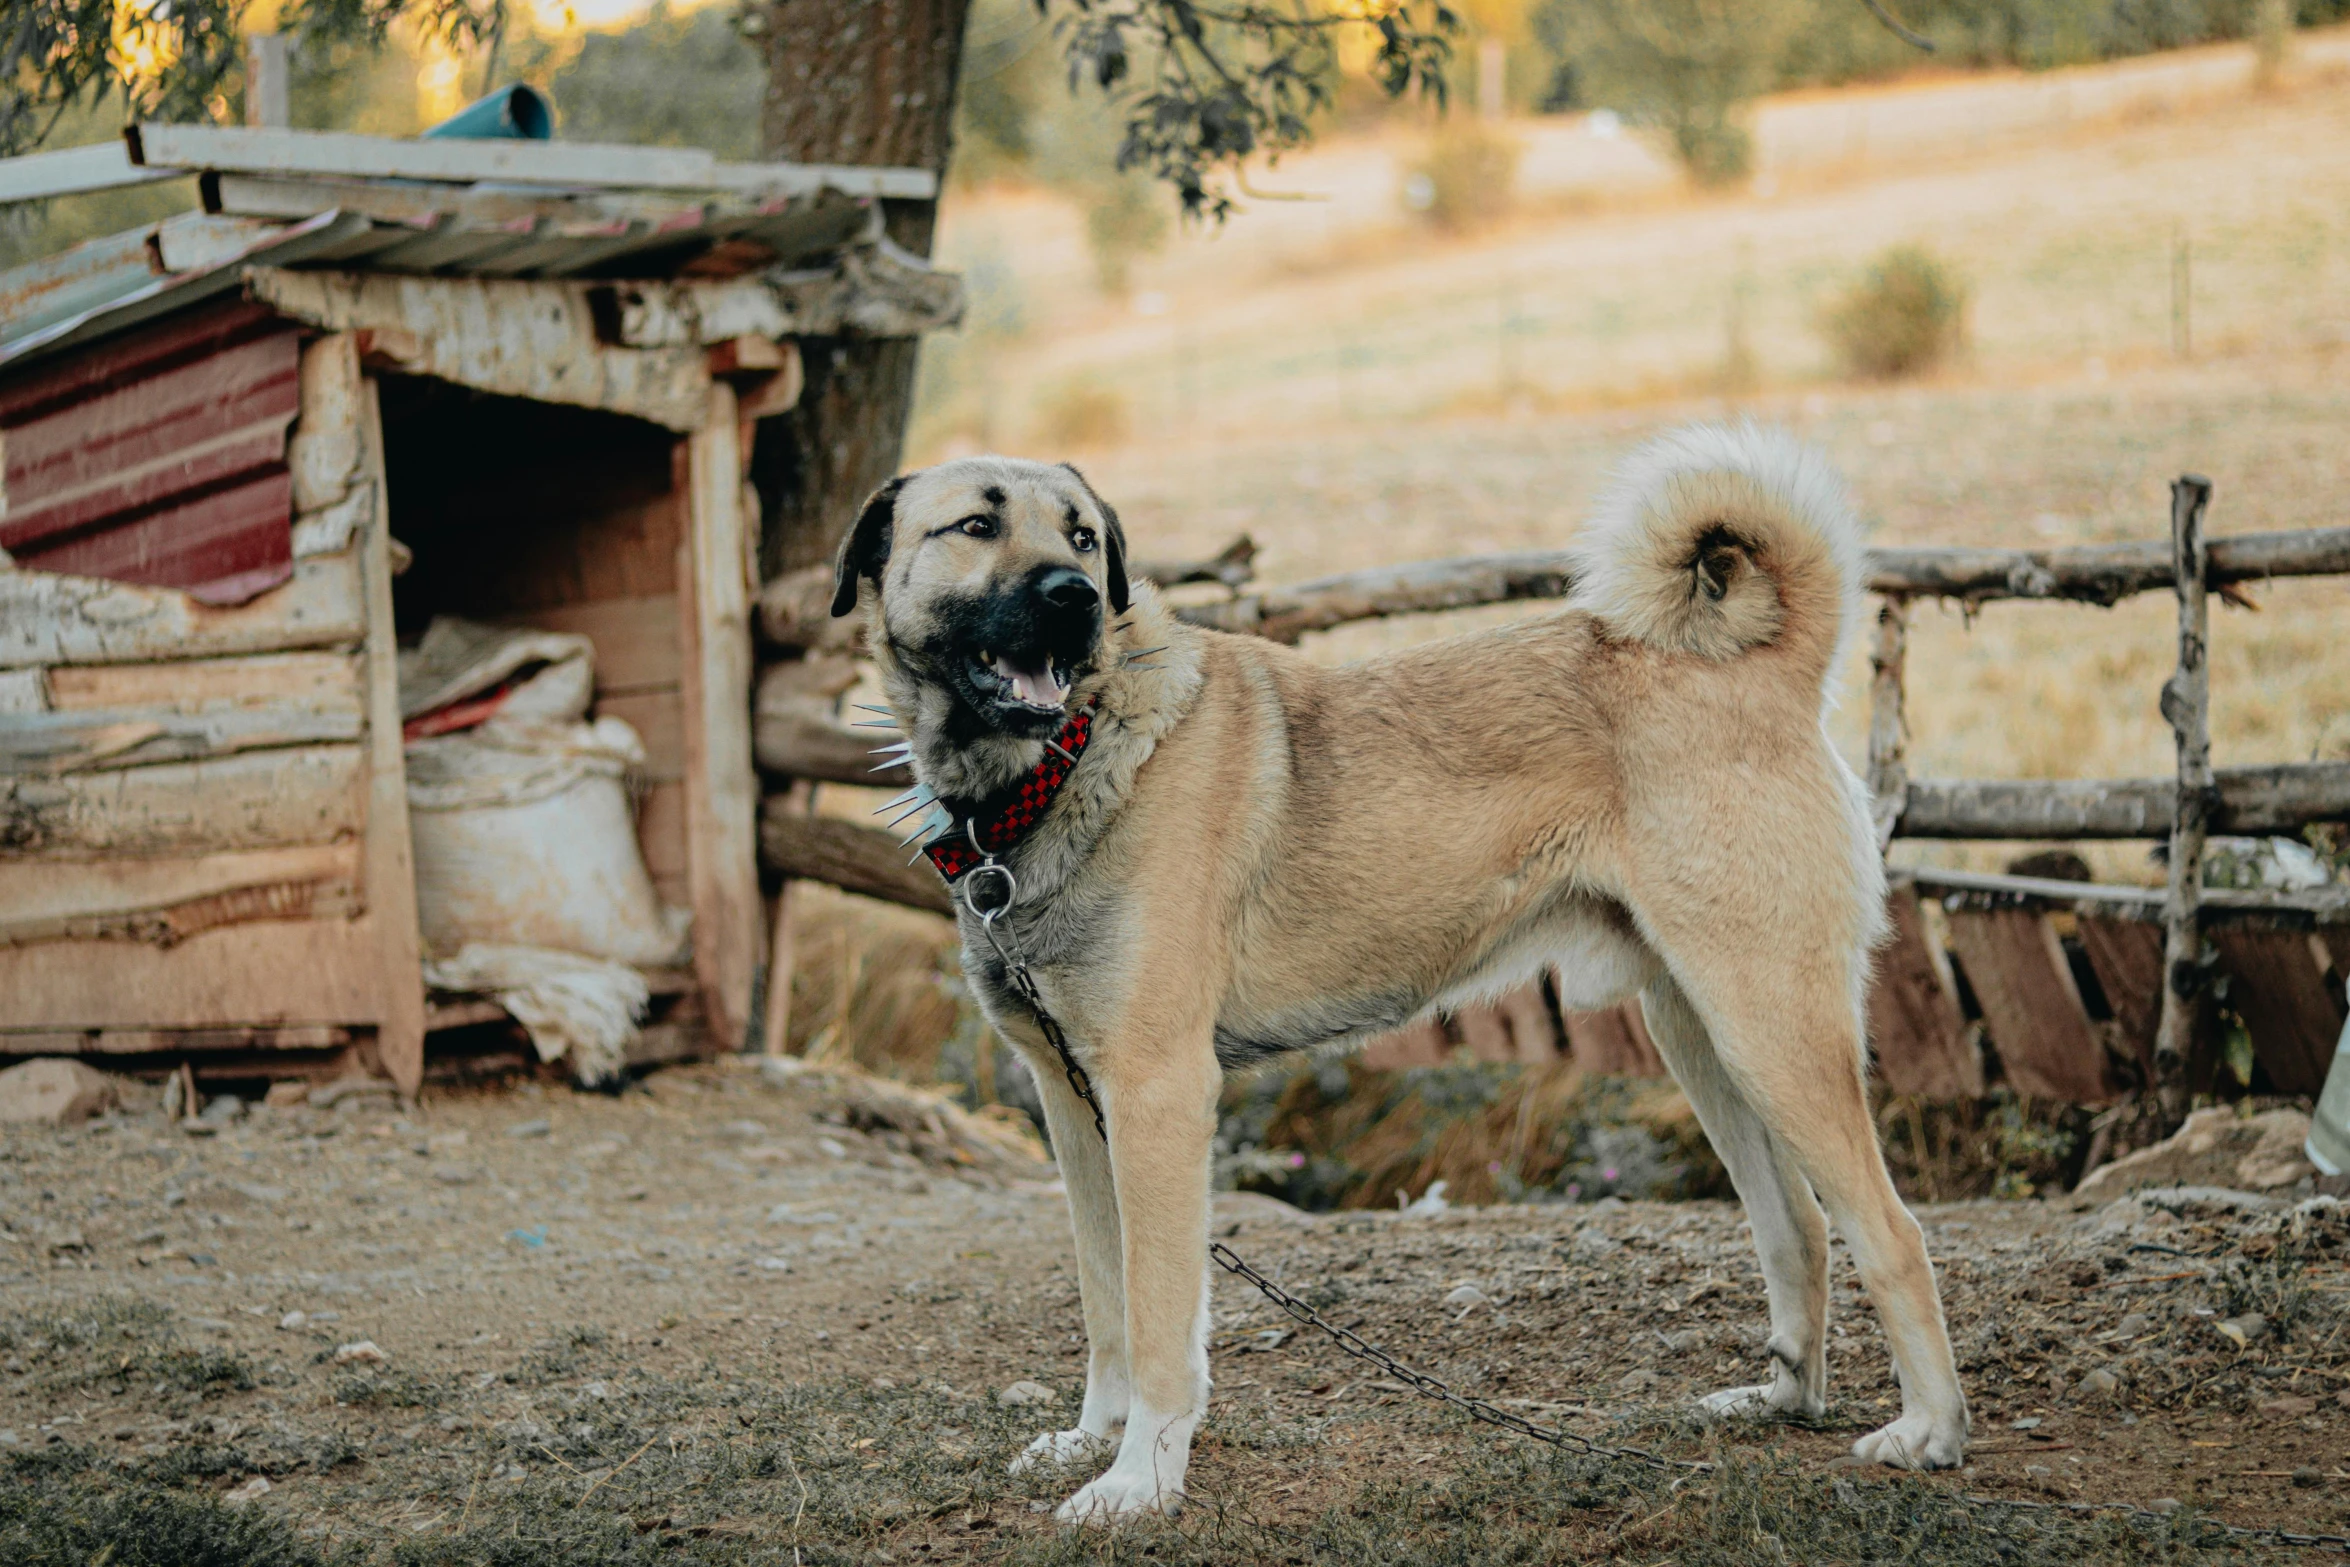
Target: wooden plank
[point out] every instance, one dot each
(166, 901)
(2017, 967)
(249, 150)
(265, 799)
(536, 340)
(46, 744)
(72, 171)
(1888, 777)
(2278, 983)
(1613, 1042)
(1919, 1035)
(2328, 904)
(197, 685)
(722, 785)
(660, 832)
(391, 857)
(267, 973)
(636, 640)
(855, 859)
(160, 1041)
(658, 717)
(2126, 956)
(50, 619)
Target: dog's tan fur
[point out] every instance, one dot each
(1259, 851)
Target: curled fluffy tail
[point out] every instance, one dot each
(1714, 540)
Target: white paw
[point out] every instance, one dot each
(1059, 1447)
(1916, 1441)
(1780, 1398)
(1114, 1496)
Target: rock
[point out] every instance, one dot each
(327, 1095)
(55, 1090)
(531, 1129)
(1636, 1381)
(361, 1353)
(2215, 1148)
(2244, 1331)
(2163, 1504)
(1241, 1207)
(2101, 1383)
(1463, 1296)
(2132, 1325)
(252, 1490)
(286, 1093)
(1428, 1203)
(1024, 1392)
(294, 1321)
(222, 1109)
(2308, 1479)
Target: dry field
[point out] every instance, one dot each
(1384, 396)
(706, 1323)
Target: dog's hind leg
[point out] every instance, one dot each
(1101, 1283)
(1787, 1033)
(1790, 1233)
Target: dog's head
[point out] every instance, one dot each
(996, 580)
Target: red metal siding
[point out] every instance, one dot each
(158, 457)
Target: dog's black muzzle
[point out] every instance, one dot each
(1013, 653)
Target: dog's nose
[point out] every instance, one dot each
(1067, 591)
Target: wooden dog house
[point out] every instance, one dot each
(249, 447)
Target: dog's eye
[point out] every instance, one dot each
(1083, 539)
(979, 527)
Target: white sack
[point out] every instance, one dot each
(575, 1009)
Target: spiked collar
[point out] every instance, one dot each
(958, 835)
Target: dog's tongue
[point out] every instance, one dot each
(1037, 687)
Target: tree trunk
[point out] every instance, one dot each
(860, 82)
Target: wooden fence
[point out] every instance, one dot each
(2082, 992)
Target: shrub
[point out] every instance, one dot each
(1464, 180)
(1904, 316)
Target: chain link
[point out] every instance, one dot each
(1007, 946)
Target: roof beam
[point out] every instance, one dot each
(338, 154)
(73, 171)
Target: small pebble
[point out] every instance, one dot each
(2163, 1504)
(1025, 1392)
(251, 1490)
(2132, 1325)
(1465, 1295)
(530, 1129)
(2308, 1479)
(361, 1352)
(294, 1321)
(2100, 1383)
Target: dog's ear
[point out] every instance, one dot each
(866, 550)
(1113, 542)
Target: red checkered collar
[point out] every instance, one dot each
(1012, 815)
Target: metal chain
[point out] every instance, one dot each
(1015, 960)
(1007, 947)
(1478, 1409)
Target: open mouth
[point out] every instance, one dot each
(1040, 687)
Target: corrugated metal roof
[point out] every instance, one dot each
(408, 227)
(160, 456)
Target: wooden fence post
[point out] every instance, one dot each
(2186, 703)
(1888, 758)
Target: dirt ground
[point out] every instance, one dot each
(702, 1322)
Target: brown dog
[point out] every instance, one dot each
(1254, 854)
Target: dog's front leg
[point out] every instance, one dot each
(1161, 1102)
(1101, 1284)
